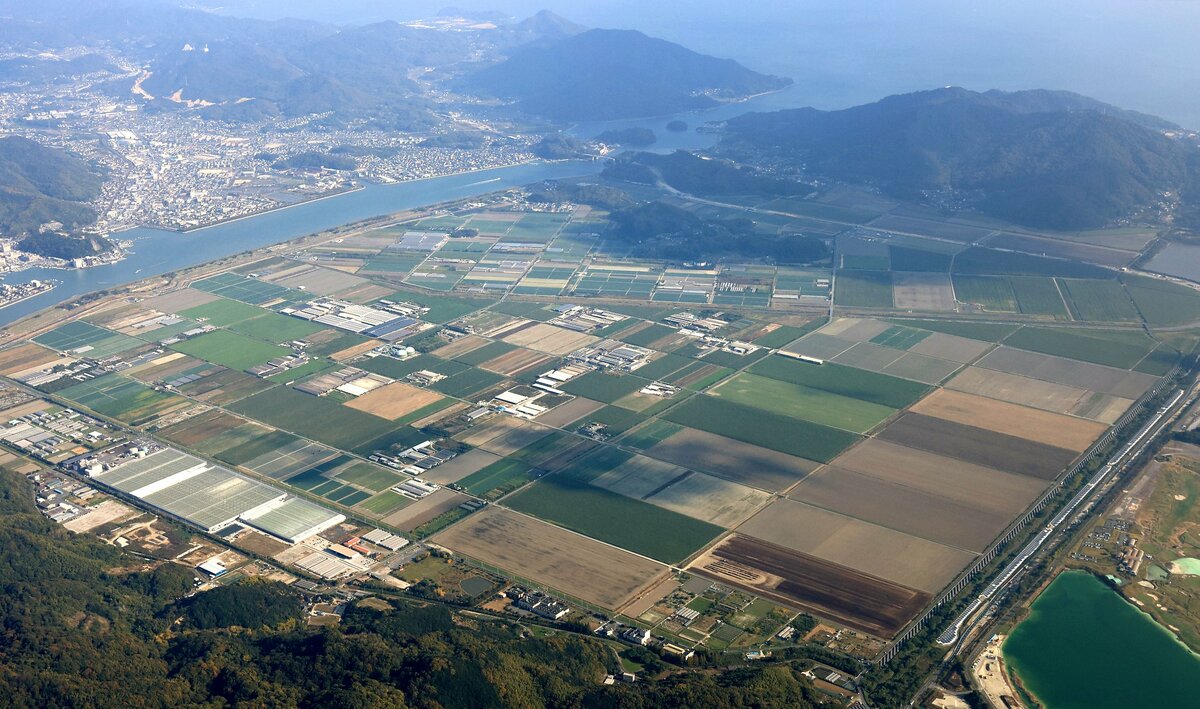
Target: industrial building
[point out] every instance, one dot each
(384, 324)
(207, 496)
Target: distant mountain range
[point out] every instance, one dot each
(606, 74)
(1041, 158)
(39, 185)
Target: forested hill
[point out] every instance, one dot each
(1039, 158)
(40, 184)
(78, 631)
(606, 74)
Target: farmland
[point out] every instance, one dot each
(853, 488)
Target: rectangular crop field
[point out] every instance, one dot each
(864, 289)
(314, 417)
(871, 549)
(877, 388)
(801, 402)
(760, 428)
(555, 558)
(733, 460)
(866, 603)
(979, 446)
(229, 349)
(630, 524)
(1021, 421)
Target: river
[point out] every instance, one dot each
(1084, 646)
(157, 251)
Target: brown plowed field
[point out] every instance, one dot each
(515, 361)
(573, 410)
(868, 548)
(1048, 396)
(831, 591)
(733, 460)
(394, 400)
(957, 481)
(1021, 421)
(425, 509)
(951, 347)
(24, 357)
(549, 339)
(460, 346)
(562, 560)
(178, 300)
(1107, 380)
(918, 512)
(977, 445)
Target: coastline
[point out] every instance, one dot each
(52, 285)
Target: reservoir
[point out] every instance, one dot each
(156, 251)
(1083, 645)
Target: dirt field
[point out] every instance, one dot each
(922, 291)
(856, 329)
(178, 300)
(321, 281)
(573, 410)
(425, 509)
(204, 427)
(951, 347)
(891, 504)
(733, 460)
(562, 560)
(927, 370)
(503, 435)
(549, 339)
(351, 352)
(977, 445)
(693, 494)
(820, 345)
(101, 514)
(867, 548)
(1058, 398)
(29, 407)
(515, 361)
(460, 466)
(25, 357)
(835, 592)
(865, 355)
(959, 482)
(462, 345)
(1106, 380)
(1021, 421)
(394, 400)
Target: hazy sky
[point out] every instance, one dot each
(1140, 54)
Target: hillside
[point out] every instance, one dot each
(1043, 159)
(74, 632)
(606, 74)
(40, 185)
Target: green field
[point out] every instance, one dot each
(276, 328)
(372, 477)
(881, 389)
(650, 435)
(919, 260)
(780, 336)
(567, 499)
(385, 503)
(647, 336)
(984, 332)
(664, 366)
(314, 417)
(989, 262)
(121, 398)
(760, 428)
(1038, 296)
(1111, 351)
(994, 293)
(95, 341)
(864, 289)
(900, 337)
(229, 349)
(617, 420)
(773, 396)
(1162, 302)
(223, 312)
(605, 388)
(1101, 301)
(498, 479)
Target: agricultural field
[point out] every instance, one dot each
(552, 557)
(760, 428)
(865, 289)
(801, 402)
(122, 398)
(229, 349)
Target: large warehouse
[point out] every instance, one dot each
(212, 497)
